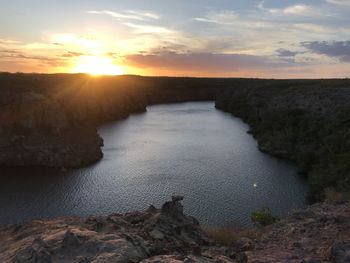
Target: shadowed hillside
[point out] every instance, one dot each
(51, 120)
(307, 122)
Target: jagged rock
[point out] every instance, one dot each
(177, 198)
(174, 206)
(242, 244)
(156, 234)
(310, 260)
(117, 238)
(241, 258)
(35, 253)
(151, 209)
(168, 235)
(70, 239)
(340, 252)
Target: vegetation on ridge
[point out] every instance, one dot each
(306, 122)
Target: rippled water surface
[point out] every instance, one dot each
(190, 149)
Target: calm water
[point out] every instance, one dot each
(190, 149)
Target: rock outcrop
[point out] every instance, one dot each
(157, 235)
(320, 233)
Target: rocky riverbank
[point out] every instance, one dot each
(307, 122)
(319, 234)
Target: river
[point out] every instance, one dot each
(188, 149)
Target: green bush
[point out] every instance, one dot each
(263, 217)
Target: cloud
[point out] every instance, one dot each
(15, 54)
(339, 2)
(71, 54)
(30, 57)
(337, 49)
(286, 53)
(313, 28)
(299, 9)
(144, 14)
(8, 42)
(129, 14)
(204, 62)
(145, 29)
(224, 17)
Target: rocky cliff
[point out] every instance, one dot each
(319, 234)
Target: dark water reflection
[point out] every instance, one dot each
(190, 149)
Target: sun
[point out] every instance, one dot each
(96, 66)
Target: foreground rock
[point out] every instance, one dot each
(157, 235)
(320, 233)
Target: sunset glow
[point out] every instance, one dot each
(268, 39)
(97, 66)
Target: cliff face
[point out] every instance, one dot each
(319, 234)
(305, 121)
(37, 130)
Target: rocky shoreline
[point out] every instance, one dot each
(320, 233)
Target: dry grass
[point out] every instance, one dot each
(227, 235)
(333, 196)
(251, 233)
(221, 235)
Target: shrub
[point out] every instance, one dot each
(263, 217)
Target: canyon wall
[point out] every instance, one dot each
(51, 120)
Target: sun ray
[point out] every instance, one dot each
(96, 66)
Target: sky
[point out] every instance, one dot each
(221, 38)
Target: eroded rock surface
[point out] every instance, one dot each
(157, 235)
